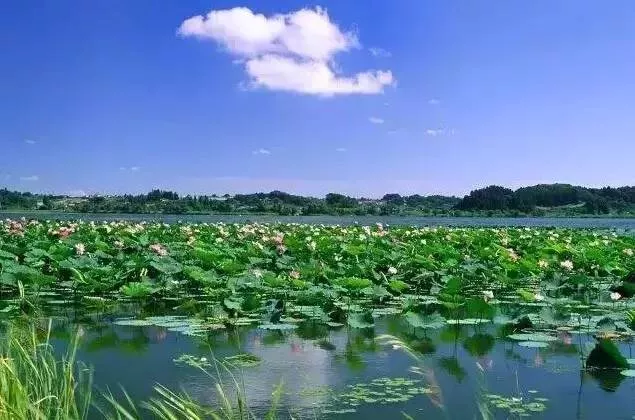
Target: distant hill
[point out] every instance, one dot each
(551, 199)
(551, 196)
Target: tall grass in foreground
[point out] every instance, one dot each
(34, 385)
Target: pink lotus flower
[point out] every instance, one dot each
(64, 232)
(159, 249)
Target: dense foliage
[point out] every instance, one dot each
(539, 200)
(243, 265)
(275, 202)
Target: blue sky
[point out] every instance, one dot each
(407, 96)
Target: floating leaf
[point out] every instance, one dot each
(361, 320)
(243, 360)
(467, 321)
(281, 327)
(533, 344)
(425, 321)
(133, 322)
(532, 337)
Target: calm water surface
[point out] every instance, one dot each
(591, 222)
(316, 364)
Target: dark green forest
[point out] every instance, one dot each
(538, 200)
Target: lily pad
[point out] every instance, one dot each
(532, 337)
(533, 344)
(467, 321)
(133, 322)
(243, 360)
(279, 327)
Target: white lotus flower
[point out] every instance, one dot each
(615, 296)
(567, 265)
(80, 249)
(487, 295)
(539, 297)
(392, 270)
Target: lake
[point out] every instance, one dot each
(351, 373)
(355, 322)
(586, 223)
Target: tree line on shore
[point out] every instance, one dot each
(538, 200)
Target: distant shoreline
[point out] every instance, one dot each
(544, 200)
(483, 215)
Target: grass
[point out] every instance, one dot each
(34, 385)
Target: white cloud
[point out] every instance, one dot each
(379, 52)
(29, 141)
(261, 152)
(306, 33)
(311, 77)
(287, 52)
(31, 178)
(376, 120)
(341, 149)
(434, 132)
(135, 168)
(440, 132)
(433, 101)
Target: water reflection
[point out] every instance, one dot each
(315, 362)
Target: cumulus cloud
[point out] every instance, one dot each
(376, 120)
(131, 169)
(341, 149)
(261, 152)
(311, 77)
(291, 52)
(379, 52)
(31, 178)
(29, 141)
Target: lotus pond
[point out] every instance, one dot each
(334, 322)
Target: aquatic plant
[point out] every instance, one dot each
(35, 385)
